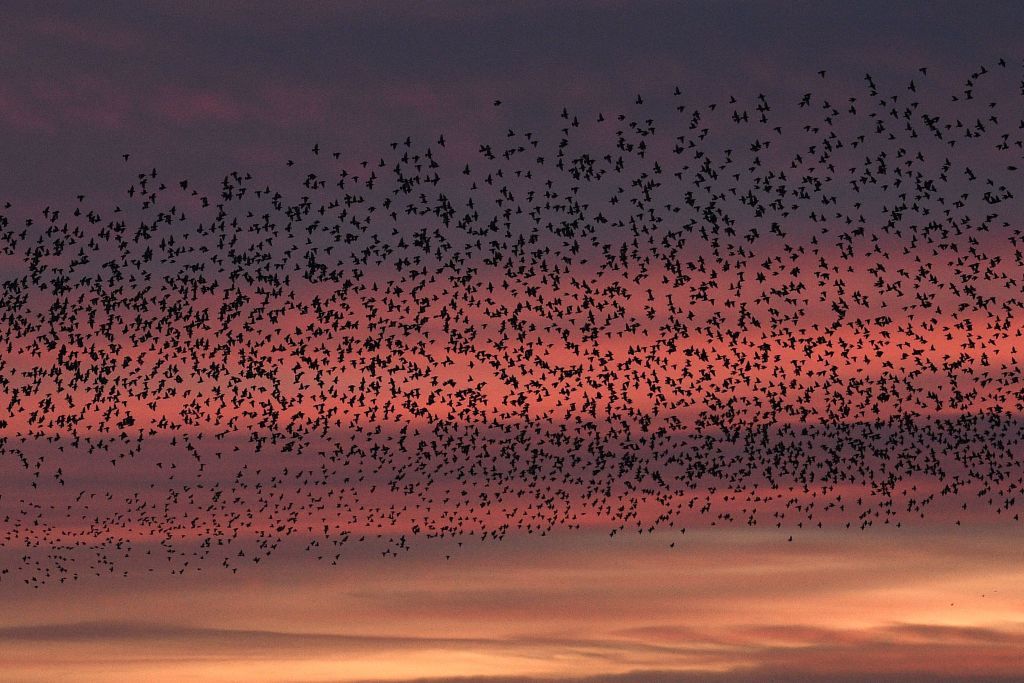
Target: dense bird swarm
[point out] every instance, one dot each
(794, 313)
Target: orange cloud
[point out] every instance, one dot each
(730, 605)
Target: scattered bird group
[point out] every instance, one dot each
(796, 314)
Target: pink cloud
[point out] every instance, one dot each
(287, 104)
(94, 35)
(19, 114)
(187, 106)
(45, 105)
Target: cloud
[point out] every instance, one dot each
(93, 34)
(752, 675)
(219, 638)
(282, 643)
(187, 105)
(896, 652)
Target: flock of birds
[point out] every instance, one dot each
(793, 314)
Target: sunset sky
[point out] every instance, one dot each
(201, 90)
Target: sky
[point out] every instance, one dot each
(201, 90)
(205, 88)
